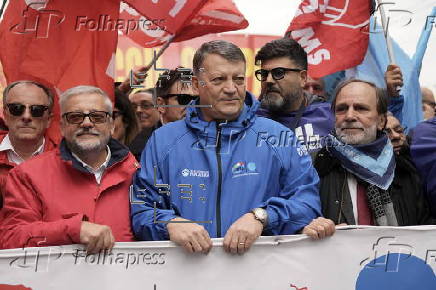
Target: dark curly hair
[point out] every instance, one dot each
(283, 47)
(168, 78)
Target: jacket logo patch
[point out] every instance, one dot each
(195, 173)
(244, 169)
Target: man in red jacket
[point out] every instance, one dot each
(78, 193)
(27, 108)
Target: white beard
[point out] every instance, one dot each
(366, 136)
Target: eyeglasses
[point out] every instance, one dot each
(398, 130)
(182, 99)
(277, 73)
(96, 117)
(116, 114)
(431, 104)
(144, 105)
(17, 109)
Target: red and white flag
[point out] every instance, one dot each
(334, 33)
(155, 27)
(60, 44)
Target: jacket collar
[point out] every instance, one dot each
(118, 153)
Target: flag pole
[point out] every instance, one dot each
(3, 8)
(156, 56)
(143, 70)
(385, 25)
(388, 39)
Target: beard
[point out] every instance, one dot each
(81, 147)
(367, 135)
(275, 102)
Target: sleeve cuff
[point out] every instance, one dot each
(74, 224)
(272, 218)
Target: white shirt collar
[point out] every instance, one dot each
(98, 173)
(13, 156)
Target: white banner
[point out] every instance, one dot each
(362, 259)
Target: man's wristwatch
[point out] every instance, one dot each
(261, 215)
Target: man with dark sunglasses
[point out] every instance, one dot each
(174, 92)
(283, 75)
(68, 196)
(27, 107)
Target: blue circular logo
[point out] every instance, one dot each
(251, 166)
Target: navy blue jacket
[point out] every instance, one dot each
(423, 152)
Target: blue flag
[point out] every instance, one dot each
(375, 64)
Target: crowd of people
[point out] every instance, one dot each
(188, 161)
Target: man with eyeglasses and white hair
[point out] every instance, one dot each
(27, 107)
(67, 196)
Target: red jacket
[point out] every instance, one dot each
(47, 198)
(6, 166)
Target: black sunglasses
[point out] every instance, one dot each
(398, 130)
(17, 109)
(96, 117)
(277, 73)
(431, 104)
(182, 99)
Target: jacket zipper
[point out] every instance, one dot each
(220, 177)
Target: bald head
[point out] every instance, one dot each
(428, 103)
(427, 95)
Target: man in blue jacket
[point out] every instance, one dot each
(223, 172)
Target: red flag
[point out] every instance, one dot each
(334, 33)
(60, 44)
(215, 16)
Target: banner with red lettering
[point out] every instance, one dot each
(334, 33)
(154, 29)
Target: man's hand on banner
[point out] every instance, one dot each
(96, 237)
(191, 236)
(242, 234)
(394, 80)
(319, 228)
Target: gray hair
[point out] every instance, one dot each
(380, 94)
(225, 49)
(81, 90)
(46, 90)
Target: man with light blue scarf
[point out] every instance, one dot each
(362, 181)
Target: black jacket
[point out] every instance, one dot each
(138, 143)
(410, 204)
